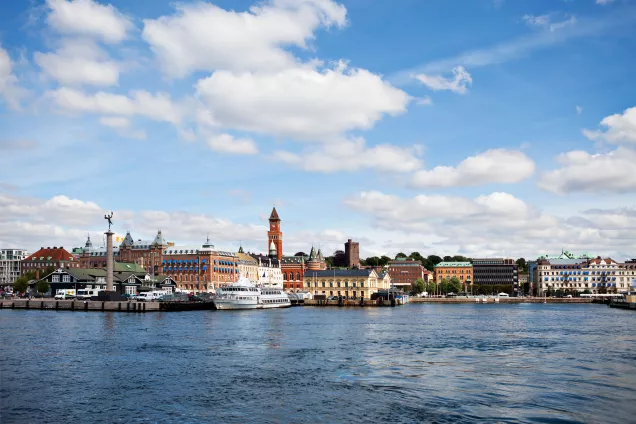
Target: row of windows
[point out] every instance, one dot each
(346, 284)
(291, 276)
(65, 278)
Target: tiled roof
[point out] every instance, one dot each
(51, 254)
(293, 259)
(453, 264)
(339, 273)
(274, 214)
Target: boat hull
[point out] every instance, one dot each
(232, 304)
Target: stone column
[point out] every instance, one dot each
(109, 261)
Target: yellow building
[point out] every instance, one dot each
(248, 266)
(346, 282)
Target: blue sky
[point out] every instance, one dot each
(485, 128)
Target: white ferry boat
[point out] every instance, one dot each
(245, 295)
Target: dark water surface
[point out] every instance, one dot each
(417, 363)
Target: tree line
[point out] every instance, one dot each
(21, 284)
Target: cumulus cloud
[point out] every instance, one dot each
(122, 126)
(585, 172)
(31, 222)
(604, 2)
(205, 37)
(226, 143)
(77, 62)
(300, 102)
(353, 155)
(492, 166)
(9, 90)
(88, 18)
(158, 107)
(620, 128)
(457, 84)
(497, 224)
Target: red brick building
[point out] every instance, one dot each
(275, 235)
(293, 268)
(47, 257)
(404, 272)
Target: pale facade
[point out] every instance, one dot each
(599, 275)
(269, 271)
(348, 283)
(247, 266)
(10, 265)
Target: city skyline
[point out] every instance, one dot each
(504, 130)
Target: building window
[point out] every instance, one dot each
(297, 276)
(55, 279)
(131, 289)
(66, 278)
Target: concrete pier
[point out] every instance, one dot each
(80, 305)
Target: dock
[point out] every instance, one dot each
(100, 306)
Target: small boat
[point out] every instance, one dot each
(245, 295)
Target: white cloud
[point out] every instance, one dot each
(204, 37)
(115, 122)
(353, 155)
(79, 62)
(88, 18)
(122, 126)
(62, 221)
(604, 2)
(158, 107)
(301, 102)
(492, 166)
(458, 84)
(424, 101)
(620, 128)
(9, 90)
(548, 21)
(579, 110)
(497, 224)
(602, 172)
(226, 143)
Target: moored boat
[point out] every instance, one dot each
(245, 295)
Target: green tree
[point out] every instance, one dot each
(431, 287)
(21, 284)
(384, 260)
(400, 255)
(587, 291)
(418, 286)
(43, 286)
(416, 256)
(434, 259)
(522, 265)
(454, 285)
(459, 258)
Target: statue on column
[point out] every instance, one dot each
(109, 218)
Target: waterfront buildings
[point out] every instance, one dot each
(352, 254)
(447, 270)
(346, 282)
(496, 271)
(46, 257)
(594, 275)
(128, 278)
(405, 271)
(10, 265)
(199, 268)
(269, 270)
(293, 269)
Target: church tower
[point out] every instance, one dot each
(274, 235)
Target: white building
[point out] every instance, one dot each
(269, 271)
(10, 265)
(598, 275)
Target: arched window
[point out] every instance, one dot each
(297, 276)
(284, 275)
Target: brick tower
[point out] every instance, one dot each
(274, 235)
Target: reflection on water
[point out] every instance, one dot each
(418, 363)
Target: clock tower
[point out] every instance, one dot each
(274, 235)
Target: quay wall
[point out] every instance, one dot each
(79, 305)
(501, 300)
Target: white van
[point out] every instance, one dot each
(503, 295)
(62, 294)
(151, 296)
